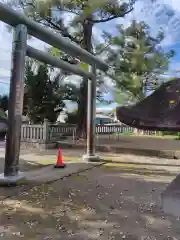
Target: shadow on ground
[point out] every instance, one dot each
(154, 164)
(24, 165)
(145, 170)
(104, 203)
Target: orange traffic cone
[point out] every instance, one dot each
(59, 163)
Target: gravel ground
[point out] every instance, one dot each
(104, 203)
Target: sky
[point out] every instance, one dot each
(163, 14)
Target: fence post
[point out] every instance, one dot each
(46, 135)
(91, 119)
(11, 167)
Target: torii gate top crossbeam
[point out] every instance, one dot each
(14, 18)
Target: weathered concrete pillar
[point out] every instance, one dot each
(91, 119)
(16, 95)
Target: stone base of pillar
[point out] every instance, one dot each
(12, 180)
(92, 158)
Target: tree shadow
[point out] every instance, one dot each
(141, 163)
(24, 165)
(144, 170)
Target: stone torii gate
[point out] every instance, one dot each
(23, 26)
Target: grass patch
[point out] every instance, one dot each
(53, 160)
(74, 159)
(122, 164)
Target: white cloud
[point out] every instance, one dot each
(174, 69)
(173, 3)
(5, 49)
(74, 79)
(163, 14)
(158, 14)
(97, 35)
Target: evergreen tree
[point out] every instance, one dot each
(138, 59)
(4, 99)
(41, 97)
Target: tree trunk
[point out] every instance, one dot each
(82, 105)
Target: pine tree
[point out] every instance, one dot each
(138, 59)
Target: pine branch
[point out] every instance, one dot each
(112, 17)
(103, 49)
(67, 10)
(63, 30)
(49, 22)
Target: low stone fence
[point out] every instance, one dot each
(47, 135)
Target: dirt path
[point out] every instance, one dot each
(104, 203)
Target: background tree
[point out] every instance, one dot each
(138, 59)
(4, 99)
(86, 13)
(42, 98)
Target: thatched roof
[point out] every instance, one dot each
(159, 111)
